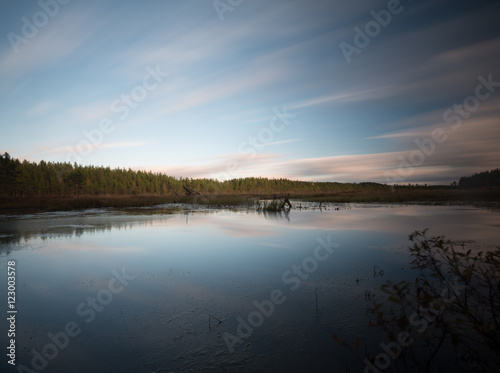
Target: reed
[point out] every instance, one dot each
(399, 195)
(273, 206)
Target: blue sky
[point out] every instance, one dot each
(257, 88)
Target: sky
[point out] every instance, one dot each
(349, 91)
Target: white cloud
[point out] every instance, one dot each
(282, 142)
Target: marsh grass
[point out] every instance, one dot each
(405, 194)
(272, 206)
(35, 204)
(29, 204)
(224, 200)
(253, 201)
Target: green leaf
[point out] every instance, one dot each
(393, 299)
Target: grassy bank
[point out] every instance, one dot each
(399, 195)
(35, 204)
(433, 196)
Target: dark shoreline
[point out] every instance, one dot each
(23, 205)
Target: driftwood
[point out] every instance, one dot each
(171, 187)
(190, 191)
(286, 202)
(283, 198)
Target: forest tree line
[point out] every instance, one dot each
(49, 179)
(486, 179)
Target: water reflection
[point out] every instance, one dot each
(23, 230)
(390, 218)
(18, 229)
(280, 215)
(190, 263)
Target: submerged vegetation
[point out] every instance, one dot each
(65, 186)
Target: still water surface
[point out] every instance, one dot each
(134, 290)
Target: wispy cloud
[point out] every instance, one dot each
(51, 44)
(39, 109)
(354, 121)
(282, 142)
(348, 97)
(104, 145)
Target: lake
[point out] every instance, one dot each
(181, 288)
